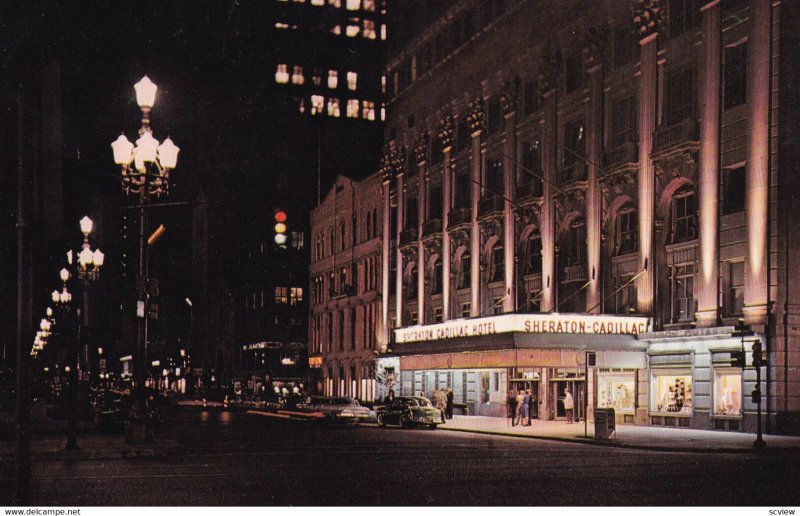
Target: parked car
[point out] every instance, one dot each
(409, 412)
(336, 409)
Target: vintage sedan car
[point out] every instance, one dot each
(335, 409)
(410, 412)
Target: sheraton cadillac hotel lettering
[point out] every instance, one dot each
(526, 323)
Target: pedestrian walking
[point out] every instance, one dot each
(511, 405)
(569, 406)
(449, 404)
(524, 411)
(531, 401)
(520, 399)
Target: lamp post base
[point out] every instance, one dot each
(759, 443)
(139, 426)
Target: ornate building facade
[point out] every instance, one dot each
(593, 204)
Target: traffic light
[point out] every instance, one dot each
(742, 330)
(758, 360)
(280, 227)
(737, 359)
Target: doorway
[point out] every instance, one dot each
(528, 385)
(578, 390)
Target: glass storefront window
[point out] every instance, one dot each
(617, 391)
(671, 393)
(727, 392)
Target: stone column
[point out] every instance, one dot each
(758, 92)
(707, 300)
(421, 154)
(509, 104)
(385, 263)
(647, 117)
(446, 137)
(594, 214)
(547, 230)
(401, 206)
(475, 120)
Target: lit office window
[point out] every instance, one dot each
(353, 28)
(333, 79)
(299, 1)
(318, 2)
(317, 104)
(302, 106)
(352, 108)
(281, 25)
(337, 30)
(369, 29)
(333, 107)
(383, 83)
(282, 74)
(297, 75)
(383, 113)
(368, 5)
(295, 296)
(368, 110)
(335, 3)
(352, 80)
(383, 32)
(317, 77)
(281, 295)
(353, 5)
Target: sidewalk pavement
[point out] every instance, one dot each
(626, 436)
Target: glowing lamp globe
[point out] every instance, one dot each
(168, 154)
(145, 92)
(86, 225)
(99, 258)
(146, 148)
(123, 150)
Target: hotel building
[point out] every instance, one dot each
(585, 197)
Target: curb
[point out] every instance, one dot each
(84, 455)
(617, 444)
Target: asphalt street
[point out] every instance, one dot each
(234, 458)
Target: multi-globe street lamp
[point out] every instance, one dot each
(145, 169)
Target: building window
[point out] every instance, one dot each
(531, 170)
(623, 121)
(497, 305)
(680, 95)
(437, 277)
(498, 262)
(353, 28)
(625, 299)
(333, 79)
(413, 319)
(295, 296)
(297, 75)
(352, 108)
(298, 238)
(281, 295)
(575, 248)
(683, 293)
(352, 80)
(627, 231)
(735, 76)
(495, 116)
(572, 160)
(317, 104)
(352, 329)
(733, 189)
(282, 74)
(316, 78)
(494, 179)
(333, 107)
(438, 314)
(353, 5)
(368, 31)
(683, 15)
(618, 391)
(672, 392)
(727, 392)
(342, 233)
(573, 73)
(533, 254)
(368, 5)
(684, 216)
(734, 298)
(466, 308)
(624, 45)
(340, 317)
(368, 110)
(464, 269)
(532, 98)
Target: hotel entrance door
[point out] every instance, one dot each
(528, 385)
(575, 387)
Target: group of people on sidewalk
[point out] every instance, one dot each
(443, 400)
(520, 407)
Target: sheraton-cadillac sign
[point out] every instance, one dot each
(573, 324)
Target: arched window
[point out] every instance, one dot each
(533, 254)
(575, 245)
(627, 230)
(437, 277)
(464, 271)
(498, 262)
(684, 215)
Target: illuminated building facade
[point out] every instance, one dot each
(344, 318)
(545, 164)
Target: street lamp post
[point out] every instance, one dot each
(63, 301)
(145, 170)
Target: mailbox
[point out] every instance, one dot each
(604, 423)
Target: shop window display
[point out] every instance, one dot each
(616, 391)
(727, 393)
(672, 394)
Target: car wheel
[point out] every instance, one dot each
(381, 421)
